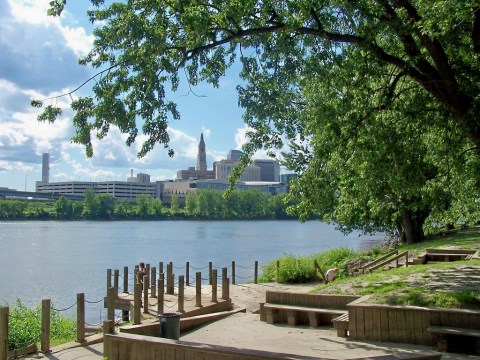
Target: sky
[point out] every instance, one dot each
(39, 59)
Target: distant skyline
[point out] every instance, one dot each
(38, 59)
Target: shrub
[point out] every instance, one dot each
(294, 269)
(25, 326)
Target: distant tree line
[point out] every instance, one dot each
(204, 204)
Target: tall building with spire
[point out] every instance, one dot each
(200, 172)
(201, 159)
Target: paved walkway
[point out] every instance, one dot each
(248, 332)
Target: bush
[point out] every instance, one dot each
(294, 269)
(25, 326)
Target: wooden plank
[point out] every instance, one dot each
(376, 334)
(189, 354)
(292, 317)
(392, 325)
(453, 319)
(124, 348)
(139, 351)
(409, 326)
(179, 353)
(170, 353)
(450, 251)
(303, 309)
(360, 323)
(352, 322)
(463, 320)
(414, 320)
(368, 325)
(384, 325)
(434, 318)
(401, 332)
(449, 330)
(427, 318)
(444, 318)
(473, 321)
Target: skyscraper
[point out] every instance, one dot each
(201, 159)
(46, 168)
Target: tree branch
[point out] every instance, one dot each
(82, 84)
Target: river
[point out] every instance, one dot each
(58, 259)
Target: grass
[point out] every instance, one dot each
(431, 285)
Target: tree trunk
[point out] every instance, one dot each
(412, 224)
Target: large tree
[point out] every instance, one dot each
(411, 69)
(143, 45)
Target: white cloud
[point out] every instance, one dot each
(241, 137)
(77, 40)
(14, 166)
(34, 12)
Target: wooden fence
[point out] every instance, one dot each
(149, 287)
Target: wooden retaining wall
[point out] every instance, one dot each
(404, 324)
(122, 346)
(326, 301)
(321, 301)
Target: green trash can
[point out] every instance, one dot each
(170, 325)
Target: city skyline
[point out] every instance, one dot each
(39, 59)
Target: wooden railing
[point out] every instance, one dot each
(365, 267)
(390, 260)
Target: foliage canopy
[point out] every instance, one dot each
(380, 100)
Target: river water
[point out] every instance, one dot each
(58, 259)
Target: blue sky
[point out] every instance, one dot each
(38, 59)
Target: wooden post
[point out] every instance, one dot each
(233, 272)
(81, 317)
(161, 292)
(145, 294)
(181, 294)
(125, 279)
(135, 276)
(214, 285)
(45, 341)
(406, 258)
(109, 278)
(147, 267)
(160, 267)
(107, 327)
(4, 332)
(227, 291)
(154, 282)
(172, 284)
(210, 267)
(198, 288)
(169, 278)
(187, 273)
(111, 307)
(116, 277)
(137, 303)
(224, 283)
(255, 277)
(278, 269)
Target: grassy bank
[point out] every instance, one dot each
(448, 285)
